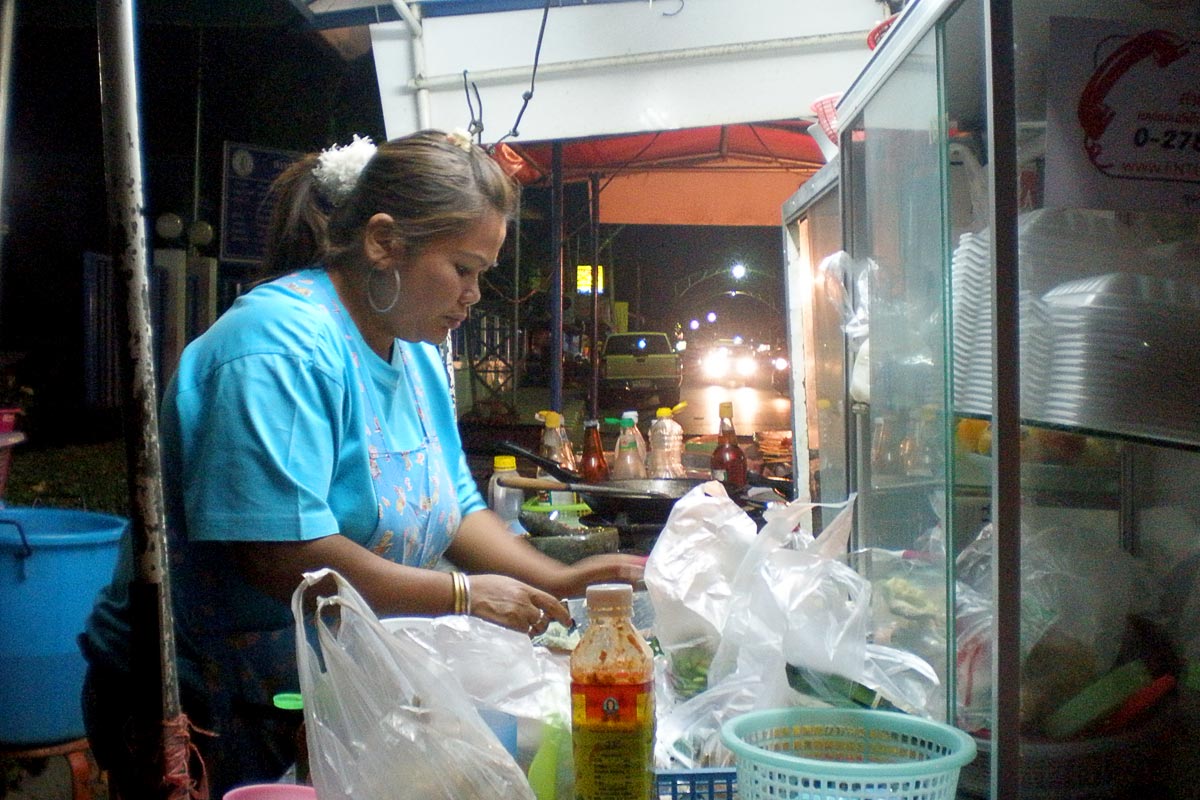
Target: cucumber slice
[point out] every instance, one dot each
(1097, 700)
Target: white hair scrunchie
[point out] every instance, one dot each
(338, 168)
(460, 139)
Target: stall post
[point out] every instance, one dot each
(161, 739)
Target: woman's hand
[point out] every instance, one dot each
(508, 602)
(572, 580)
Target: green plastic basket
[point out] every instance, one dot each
(845, 754)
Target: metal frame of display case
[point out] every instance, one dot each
(998, 71)
(916, 21)
(806, 204)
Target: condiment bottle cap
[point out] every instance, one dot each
(609, 595)
(504, 462)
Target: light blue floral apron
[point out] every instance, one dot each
(418, 513)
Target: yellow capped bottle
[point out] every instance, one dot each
(612, 701)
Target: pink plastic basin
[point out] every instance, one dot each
(272, 791)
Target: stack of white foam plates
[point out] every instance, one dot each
(971, 304)
(1057, 247)
(1118, 352)
(971, 314)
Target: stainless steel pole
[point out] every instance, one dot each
(554, 297)
(161, 735)
(7, 26)
(594, 350)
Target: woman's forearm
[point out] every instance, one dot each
(391, 589)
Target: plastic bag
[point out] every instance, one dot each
(383, 717)
(1078, 592)
(498, 668)
(799, 600)
(799, 607)
(689, 578)
(838, 271)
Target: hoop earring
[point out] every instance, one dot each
(377, 307)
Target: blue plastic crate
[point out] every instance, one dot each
(697, 784)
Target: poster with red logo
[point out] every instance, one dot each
(1122, 117)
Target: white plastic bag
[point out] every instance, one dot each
(383, 717)
(689, 578)
(498, 668)
(797, 598)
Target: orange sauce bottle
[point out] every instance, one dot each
(612, 701)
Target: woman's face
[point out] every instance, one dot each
(440, 282)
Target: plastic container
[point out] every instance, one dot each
(52, 564)
(849, 754)
(566, 450)
(612, 701)
(628, 462)
(697, 784)
(643, 447)
(272, 791)
(556, 447)
(505, 500)
(665, 458)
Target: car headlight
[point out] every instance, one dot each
(716, 365)
(780, 363)
(746, 366)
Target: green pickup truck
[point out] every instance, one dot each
(639, 365)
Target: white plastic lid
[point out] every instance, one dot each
(633, 415)
(610, 595)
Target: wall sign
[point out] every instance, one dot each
(1122, 117)
(246, 179)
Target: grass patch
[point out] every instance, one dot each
(87, 476)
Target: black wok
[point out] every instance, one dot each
(640, 500)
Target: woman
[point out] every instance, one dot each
(312, 426)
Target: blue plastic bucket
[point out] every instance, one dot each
(52, 564)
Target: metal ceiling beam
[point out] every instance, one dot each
(350, 14)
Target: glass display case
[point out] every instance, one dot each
(812, 234)
(1020, 212)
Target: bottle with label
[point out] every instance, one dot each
(594, 465)
(612, 701)
(665, 458)
(728, 462)
(627, 462)
(506, 500)
(567, 449)
(637, 432)
(554, 448)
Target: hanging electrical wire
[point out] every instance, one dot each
(528, 94)
(475, 126)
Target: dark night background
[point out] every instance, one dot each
(262, 77)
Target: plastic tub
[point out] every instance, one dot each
(272, 791)
(52, 564)
(847, 754)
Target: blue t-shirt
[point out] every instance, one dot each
(264, 438)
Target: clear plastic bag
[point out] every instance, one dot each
(689, 578)
(384, 717)
(799, 608)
